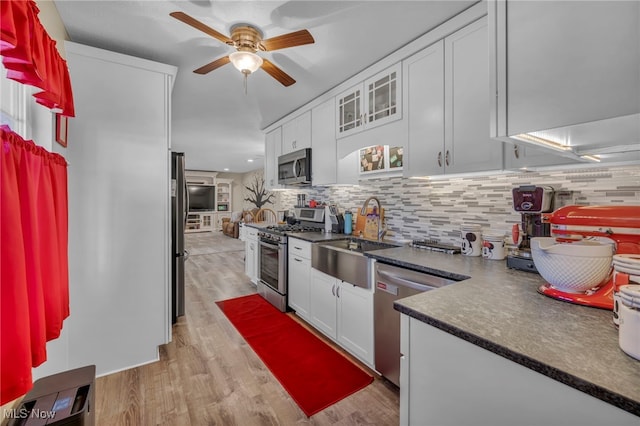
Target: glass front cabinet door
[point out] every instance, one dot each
(374, 102)
(350, 111)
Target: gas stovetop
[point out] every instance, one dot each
(283, 229)
(278, 233)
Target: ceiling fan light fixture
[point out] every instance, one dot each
(245, 62)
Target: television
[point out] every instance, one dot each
(201, 198)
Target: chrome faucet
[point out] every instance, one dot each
(363, 212)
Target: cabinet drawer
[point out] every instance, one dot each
(251, 232)
(300, 248)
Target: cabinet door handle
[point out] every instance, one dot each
(516, 151)
(446, 158)
(338, 292)
(293, 144)
(297, 260)
(333, 289)
(297, 248)
(440, 159)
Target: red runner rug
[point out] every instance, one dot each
(312, 372)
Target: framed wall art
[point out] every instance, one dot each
(62, 128)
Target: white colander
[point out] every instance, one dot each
(572, 267)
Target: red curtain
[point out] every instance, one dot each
(34, 291)
(31, 56)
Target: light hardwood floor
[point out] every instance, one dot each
(208, 375)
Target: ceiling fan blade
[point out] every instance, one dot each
(297, 38)
(181, 16)
(277, 73)
(212, 65)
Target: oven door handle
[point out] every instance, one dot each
(268, 244)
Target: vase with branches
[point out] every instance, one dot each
(258, 195)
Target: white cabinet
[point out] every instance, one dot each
(327, 168)
(273, 149)
(296, 134)
(200, 222)
(120, 238)
(251, 256)
(372, 103)
(483, 388)
(447, 103)
(522, 156)
(424, 101)
(584, 68)
(323, 144)
(322, 305)
(199, 177)
(343, 312)
(355, 320)
(224, 195)
(299, 263)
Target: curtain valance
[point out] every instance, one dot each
(31, 56)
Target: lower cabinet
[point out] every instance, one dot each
(344, 313)
(199, 222)
(251, 254)
(299, 264)
(445, 380)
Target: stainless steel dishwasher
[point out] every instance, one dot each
(393, 283)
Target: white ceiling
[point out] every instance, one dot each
(214, 122)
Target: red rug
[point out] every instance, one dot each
(315, 375)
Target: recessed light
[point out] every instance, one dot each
(226, 169)
(250, 160)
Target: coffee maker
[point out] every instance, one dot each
(530, 201)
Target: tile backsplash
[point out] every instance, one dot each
(435, 209)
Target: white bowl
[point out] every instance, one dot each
(572, 267)
(627, 260)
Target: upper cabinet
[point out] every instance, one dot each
(566, 76)
(273, 149)
(296, 134)
(447, 103)
(323, 144)
(372, 103)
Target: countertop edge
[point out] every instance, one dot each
(589, 388)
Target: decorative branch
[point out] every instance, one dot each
(259, 196)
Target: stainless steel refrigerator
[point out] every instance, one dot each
(179, 203)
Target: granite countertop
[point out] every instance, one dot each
(317, 237)
(499, 309)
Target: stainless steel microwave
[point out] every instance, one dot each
(294, 168)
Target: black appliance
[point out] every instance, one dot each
(530, 201)
(201, 197)
(179, 208)
(294, 168)
(63, 399)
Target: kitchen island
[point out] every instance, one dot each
(498, 319)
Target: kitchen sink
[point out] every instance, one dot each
(345, 259)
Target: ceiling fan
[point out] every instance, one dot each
(248, 40)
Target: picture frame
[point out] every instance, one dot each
(373, 159)
(380, 159)
(396, 154)
(62, 128)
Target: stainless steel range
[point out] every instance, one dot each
(273, 281)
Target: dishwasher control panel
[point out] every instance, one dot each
(389, 288)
